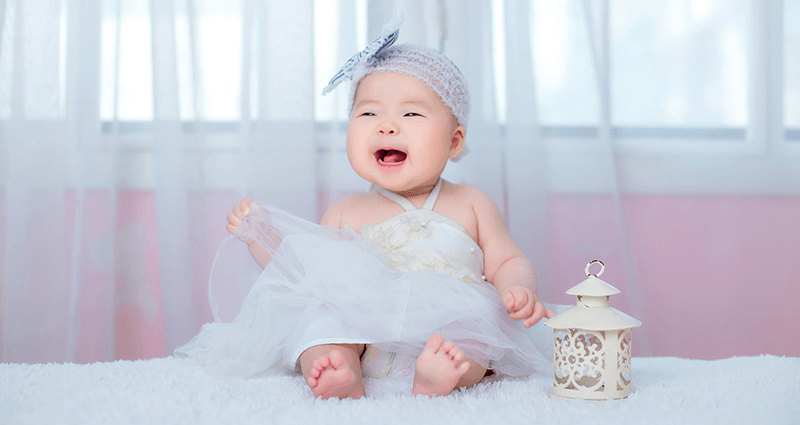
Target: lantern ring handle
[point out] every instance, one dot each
(602, 268)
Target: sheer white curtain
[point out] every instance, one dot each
(654, 136)
(121, 155)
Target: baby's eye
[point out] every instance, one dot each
(412, 114)
(367, 114)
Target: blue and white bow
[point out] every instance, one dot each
(389, 34)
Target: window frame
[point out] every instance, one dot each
(766, 154)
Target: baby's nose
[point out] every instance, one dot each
(388, 127)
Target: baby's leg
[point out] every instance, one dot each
(442, 367)
(334, 370)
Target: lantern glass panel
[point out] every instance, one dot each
(580, 359)
(624, 359)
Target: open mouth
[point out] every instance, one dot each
(390, 156)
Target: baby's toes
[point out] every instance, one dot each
(337, 359)
(457, 355)
(451, 349)
(318, 366)
(434, 344)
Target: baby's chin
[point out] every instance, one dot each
(405, 186)
(392, 185)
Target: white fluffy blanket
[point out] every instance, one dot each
(741, 390)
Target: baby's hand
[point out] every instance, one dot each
(522, 303)
(235, 218)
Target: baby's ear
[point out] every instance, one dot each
(457, 141)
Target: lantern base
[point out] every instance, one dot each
(594, 396)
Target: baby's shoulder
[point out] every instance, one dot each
(467, 205)
(468, 194)
(355, 200)
(340, 212)
(471, 204)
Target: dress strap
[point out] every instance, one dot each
(433, 196)
(406, 204)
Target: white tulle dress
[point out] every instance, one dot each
(391, 287)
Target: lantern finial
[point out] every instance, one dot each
(602, 268)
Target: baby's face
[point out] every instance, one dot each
(400, 133)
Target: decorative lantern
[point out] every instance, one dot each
(592, 344)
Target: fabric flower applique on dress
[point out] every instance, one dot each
(396, 238)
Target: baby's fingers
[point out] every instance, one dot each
(512, 302)
(242, 209)
(234, 228)
(539, 311)
(237, 216)
(525, 311)
(233, 222)
(508, 302)
(246, 205)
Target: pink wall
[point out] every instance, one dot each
(135, 305)
(139, 312)
(725, 272)
(717, 276)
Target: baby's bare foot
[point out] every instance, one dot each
(438, 368)
(331, 376)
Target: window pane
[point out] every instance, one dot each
(6, 62)
(218, 62)
(219, 49)
(679, 62)
(565, 83)
(134, 100)
(42, 33)
(791, 63)
(336, 38)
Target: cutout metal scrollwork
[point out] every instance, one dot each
(579, 359)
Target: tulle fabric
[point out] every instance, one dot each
(328, 285)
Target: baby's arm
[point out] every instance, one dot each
(333, 216)
(235, 219)
(505, 265)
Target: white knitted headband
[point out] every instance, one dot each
(427, 65)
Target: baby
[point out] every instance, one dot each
(430, 286)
